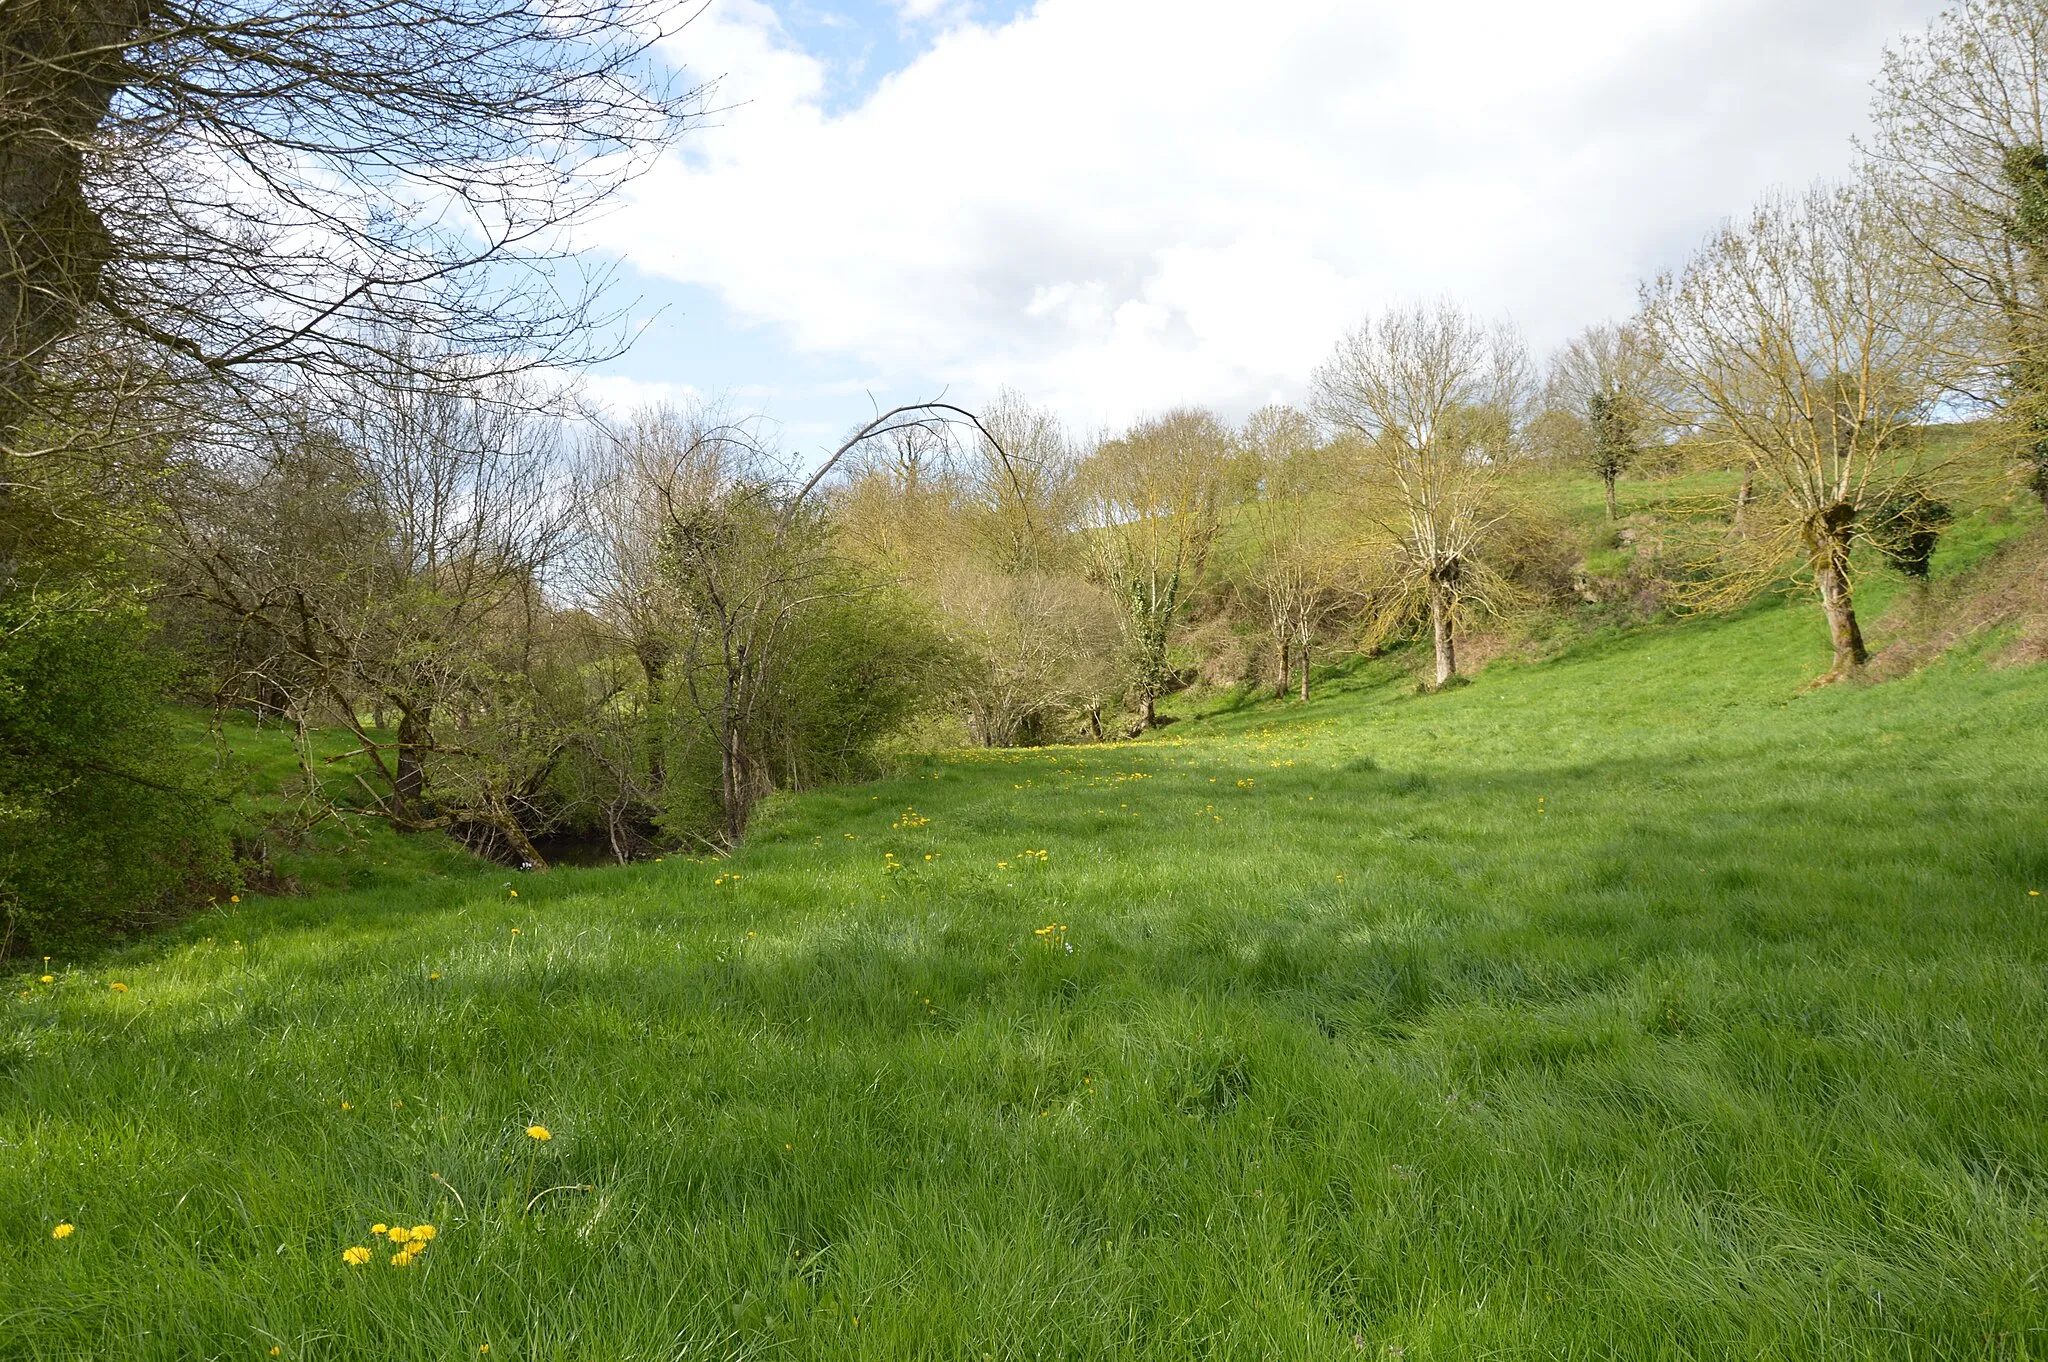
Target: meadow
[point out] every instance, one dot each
(1642, 1002)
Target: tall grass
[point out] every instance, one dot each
(1641, 1004)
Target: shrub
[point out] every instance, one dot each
(105, 824)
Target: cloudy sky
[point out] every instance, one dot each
(1115, 206)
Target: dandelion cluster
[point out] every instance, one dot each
(410, 1243)
(726, 879)
(1054, 934)
(910, 818)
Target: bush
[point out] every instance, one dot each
(105, 824)
(106, 821)
(860, 664)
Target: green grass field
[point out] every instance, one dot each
(1644, 1003)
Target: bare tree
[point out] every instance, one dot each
(386, 545)
(1960, 158)
(1803, 339)
(633, 474)
(193, 190)
(1039, 649)
(1022, 486)
(1435, 395)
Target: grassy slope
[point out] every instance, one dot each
(1636, 1004)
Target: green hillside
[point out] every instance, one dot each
(1642, 1003)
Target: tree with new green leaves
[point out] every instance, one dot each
(384, 547)
(1602, 380)
(1301, 561)
(1154, 498)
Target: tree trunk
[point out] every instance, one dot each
(1286, 671)
(1440, 629)
(1613, 508)
(529, 854)
(1745, 494)
(1148, 712)
(654, 664)
(409, 784)
(1833, 579)
(1095, 719)
(1304, 673)
(64, 64)
(736, 780)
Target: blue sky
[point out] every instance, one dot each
(1115, 206)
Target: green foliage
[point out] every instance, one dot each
(107, 820)
(2025, 170)
(1613, 417)
(1907, 527)
(858, 663)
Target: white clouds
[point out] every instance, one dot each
(1118, 204)
(618, 395)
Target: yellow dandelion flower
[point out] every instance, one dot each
(63, 1231)
(400, 1258)
(483, 1347)
(379, 1229)
(348, 1106)
(422, 1233)
(515, 931)
(398, 1234)
(120, 987)
(515, 893)
(433, 976)
(355, 1257)
(276, 1351)
(539, 1133)
(48, 979)
(234, 898)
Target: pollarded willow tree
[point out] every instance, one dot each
(1435, 396)
(1960, 157)
(1805, 339)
